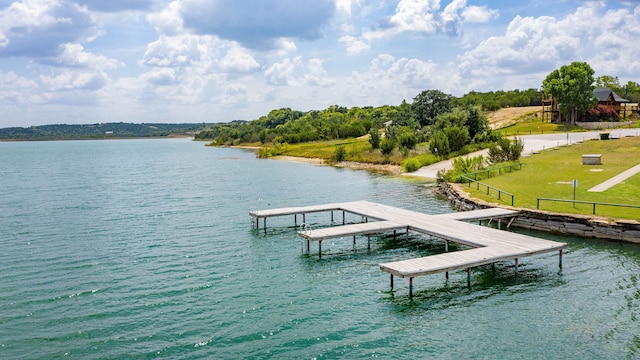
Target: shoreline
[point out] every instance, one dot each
(585, 226)
(389, 169)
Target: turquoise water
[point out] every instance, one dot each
(144, 249)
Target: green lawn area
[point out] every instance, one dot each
(550, 175)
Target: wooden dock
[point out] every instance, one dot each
(489, 245)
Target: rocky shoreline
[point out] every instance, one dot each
(566, 224)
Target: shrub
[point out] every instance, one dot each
(408, 140)
(457, 137)
(411, 165)
(386, 146)
(340, 154)
(505, 150)
(439, 144)
(374, 138)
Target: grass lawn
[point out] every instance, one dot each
(550, 174)
(537, 127)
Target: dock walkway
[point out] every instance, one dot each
(489, 245)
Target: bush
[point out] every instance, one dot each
(340, 154)
(506, 150)
(457, 137)
(387, 145)
(411, 165)
(408, 140)
(439, 144)
(374, 138)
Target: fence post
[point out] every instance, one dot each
(538, 203)
(594, 208)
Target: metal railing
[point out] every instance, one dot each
(594, 203)
(489, 188)
(500, 192)
(489, 171)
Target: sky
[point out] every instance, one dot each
(192, 61)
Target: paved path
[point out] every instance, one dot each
(615, 180)
(532, 143)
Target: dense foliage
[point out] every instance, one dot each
(491, 101)
(572, 86)
(97, 131)
(629, 91)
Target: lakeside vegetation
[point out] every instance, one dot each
(555, 169)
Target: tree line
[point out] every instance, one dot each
(452, 122)
(97, 131)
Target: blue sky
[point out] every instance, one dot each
(90, 61)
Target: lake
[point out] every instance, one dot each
(138, 249)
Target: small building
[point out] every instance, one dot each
(613, 101)
(606, 97)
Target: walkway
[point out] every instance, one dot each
(489, 245)
(615, 180)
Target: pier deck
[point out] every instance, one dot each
(489, 245)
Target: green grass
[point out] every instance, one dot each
(550, 174)
(537, 127)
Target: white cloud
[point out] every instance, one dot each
(15, 89)
(238, 59)
(74, 80)
(479, 14)
(531, 47)
(37, 28)
(354, 45)
(281, 74)
(73, 55)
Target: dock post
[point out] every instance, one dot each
(394, 234)
(468, 276)
(391, 281)
(264, 220)
(516, 265)
(446, 275)
(342, 217)
(560, 259)
(319, 249)
(499, 224)
(369, 242)
(304, 218)
(308, 246)
(332, 216)
(410, 287)
(257, 222)
(446, 246)
(407, 234)
(295, 219)
(354, 240)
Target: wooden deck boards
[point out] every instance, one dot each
(352, 229)
(489, 245)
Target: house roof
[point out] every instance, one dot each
(603, 93)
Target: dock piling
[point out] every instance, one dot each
(560, 259)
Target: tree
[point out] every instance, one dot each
(386, 146)
(429, 104)
(572, 87)
(374, 138)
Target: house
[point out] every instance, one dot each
(606, 97)
(613, 101)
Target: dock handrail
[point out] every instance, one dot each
(594, 203)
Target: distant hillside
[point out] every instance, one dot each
(98, 131)
(510, 115)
